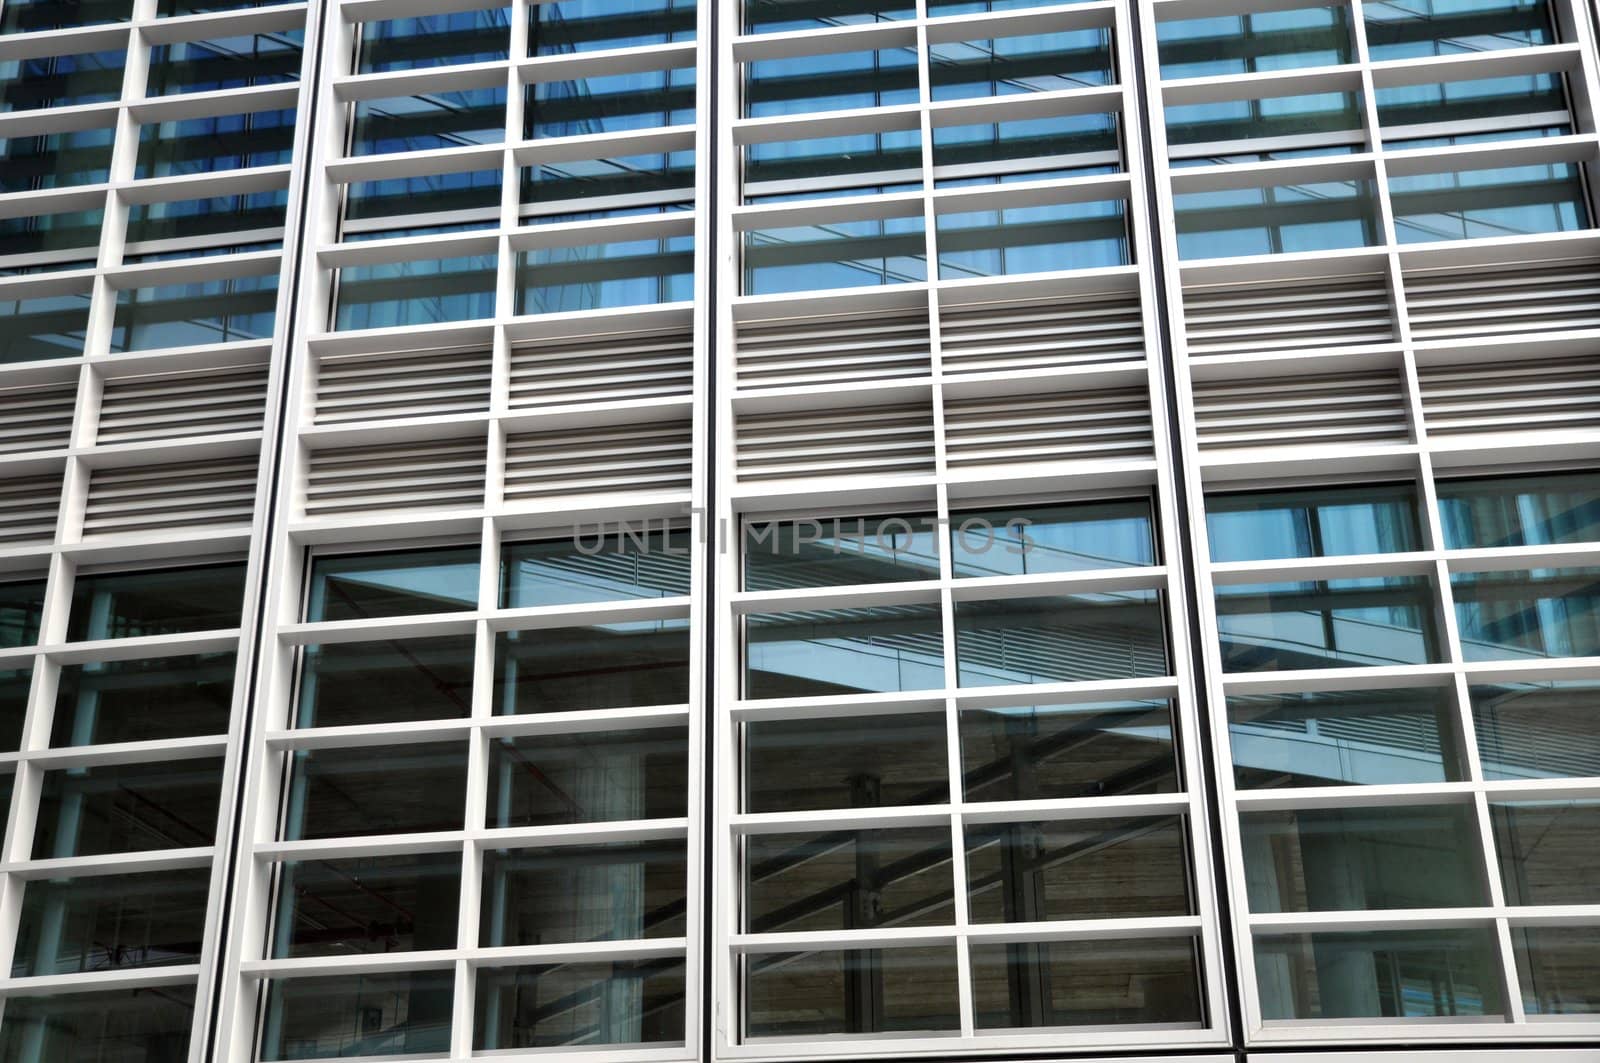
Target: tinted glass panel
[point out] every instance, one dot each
(14, 685)
(358, 1015)
(583, 893)
(599, 564)
(849, 254)
(859, 650)
(647, 99)
(433, 40)
(1549, 851)
(1516, 615)
(830, 82)
(1520, 511)
(401, 584)
(567, 26)
(1239, 44)
(338, 793)
(1039, 62)
(165, 602)
(846, 880)
(1327, 624)
(839, 551)
(1110, 635)
(626, 1002)
(60, 80)
(1025, 148)
(31, 16)
(55, 160)
(421, 123)
(773, 16)
(20, 606)
(38, 329)
(1559, 969)
(1050, 752)
(1464, 205)
(346, 683)
(812, 994)
(1453, 27)
(641, 272)
(1067, 538)
(145, 1025)
(1538, 730)
(375, 904)
(1231, 121)
(607, 666)
(427, 291)
(871, 762)
(203, 311)
(1086, 983)
(141, 700)
(1321, 523)
(223, 142)
(1385, 973)
(103, 922)
(127, 808)
(1275, 219)
(588, 778)
(223, 216)
(1034, 239)
(227, 63)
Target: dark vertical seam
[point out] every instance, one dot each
(278, 442)
(712, 531)
(1185, 544)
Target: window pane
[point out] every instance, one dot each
(986, 152)
(1327, 522)
(1038, 62)
(1362, 737)
(140, 700)
(1553, 612)
(1520, 510)
(1071, 638)
(844, 80)
(31, 16)
(610, 103)
(396, 584)
(164, 602)
(1033, 239)
(1064, 538)
(566, 26)
(606, 666)
(20, 606)
(776, 16)
(55, 160)
(838, 651)
(422, 292)
(211, 144)
(433, 40)
(1341, 623)
(839, 551)
(638, 272)
(45, 328)
(339, 793)
(1240, 44)
(1276, 219)
(626, 1002)
(847, 254)
(1455, 27)
(127, 808)
(1382, 973)
(582, 893)
(225, 63)
(1538, 730)
(605, 565)
(423, 123)
(1086, 983)
(848, 880)
(813, 994)
(60, 80)
(1077, 869)
(105, 922)
(588, 778)
(1559, 969)
(150, 1025)
(358, 1015)
(1051, 752)
(822, 164)
(360, 905)
(348, 683)
(14, 686)
(867, 762)
(1352, 859)
(1225, 123)
(1467, 204)
(1549, 851)
(197, 312)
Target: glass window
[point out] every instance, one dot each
(841, 81)
(847, 880)
(32, 16)
(373, 904)
(433, 40)
(1231, 121)
(577, 183)
(1078, 869)
(76, 233)
(61, 80)
(420, 123)
(14, 686)
(344, 792)
(608, 564)
(642, 272)
(839, 551)
(1380, 973)
(814, 994)
(605, 666)
(849, 254)
(1325, 522)
(1055, 752)
(1345, 737)
(1086, 983)
(1466, 204)
(348, 683)
(44, 328)
(477, 191)
(419, 292)
(1549, 851)
(101, 702)
(562, 27)
(610, 103)
(1276, 219)
(1403, 30)
(128, 808)
(146, 1024)
(116, 605)
(601, 777)
(623, 1002)
(107, 922)
(1342, 623)
(224, 310)
(845, 762)
(1065, 639)
(404, 1013)
(819, 165)
(219, 142)
(1254, 42)
(579, 893)
(1035, 239)
(862, 650)
(1357, 859)
(1520, 510)
(1026, 149)
(1075, 537)
(1502, 98)
(226, 63)
(20, 606)
(221, 216)
(1558, 969)
(55, 160)
(779, 16)
(1552, 612)
(365, 586)
(1039, 62)
(1538, 730)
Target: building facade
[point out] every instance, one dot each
(776, 530)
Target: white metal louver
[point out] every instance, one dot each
(837, 441)
(795, 352)
(1047, 333)
(1088, 425)
(652, 458)
(425, 474)
(1368, 406)
(603, 369)
(373, 387)
(36, 417)
(28, 506)
(1485, 300)
(177, 496)
(1548, 393)
(1326, 312)
(191, 403)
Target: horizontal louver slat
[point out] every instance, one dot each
(423, 475)
(177, 496)
(603, 369)
(28, 506)
(1041, 334)
(1535, 395)
(1287, 411)
(37, 417)
(168, 405)
(1105, 424)
(833, 350)
(801, 444)
(384, 387)
(1259, 318)
(1530, 297)
(655, 457)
